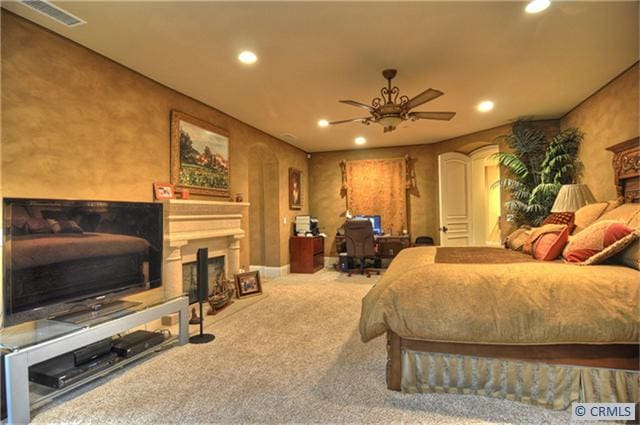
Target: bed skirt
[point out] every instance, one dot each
(547, 385)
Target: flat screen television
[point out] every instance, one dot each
(62, 253)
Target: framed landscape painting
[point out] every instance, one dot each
(199, 156)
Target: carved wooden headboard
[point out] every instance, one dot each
(626, 169)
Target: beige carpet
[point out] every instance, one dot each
(295, 356)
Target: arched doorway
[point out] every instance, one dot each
(264, 196)
(469, 199)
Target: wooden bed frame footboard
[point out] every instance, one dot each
(611, 356)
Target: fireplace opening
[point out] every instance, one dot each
(190, 277)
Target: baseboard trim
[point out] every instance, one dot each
(271, 271)
(330, 261)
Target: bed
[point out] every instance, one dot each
(494, 322)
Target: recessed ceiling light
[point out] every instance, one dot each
(537, 6)
(247, 57)
(323, 123)
(360, 140)
(485, 106)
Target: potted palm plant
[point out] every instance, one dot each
(535, 168)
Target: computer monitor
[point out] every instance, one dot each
(375, 222)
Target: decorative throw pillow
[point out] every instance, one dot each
(615, 203)
(561, 218)
(538, 232)
(628, 214)
(630, 256)
(64, 226)
(614, 248)
(587, 215)
(549, 246)
(515, 241)
(38, 225)
(584, 247)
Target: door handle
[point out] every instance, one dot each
(443, 229)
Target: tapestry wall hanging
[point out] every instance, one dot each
(378, 187)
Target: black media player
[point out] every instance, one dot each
(91, 352)
(61, 371)
(136, 342)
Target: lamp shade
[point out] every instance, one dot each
(572, 197)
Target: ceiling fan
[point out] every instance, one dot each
(389, 110)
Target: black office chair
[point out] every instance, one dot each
(360, 240)
(424, 240)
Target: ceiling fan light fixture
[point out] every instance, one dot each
(485, 106)
(390, 121)
(360, 140)
(537, 6)
(323, 123)
(247, 57)
(390, 109)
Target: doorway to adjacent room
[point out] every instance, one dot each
(469, 198)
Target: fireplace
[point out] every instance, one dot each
(217, 274)
(193, 224)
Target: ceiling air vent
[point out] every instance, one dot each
(288, 137)
(54, 12)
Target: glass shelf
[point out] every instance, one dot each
(32, 333)
(39, 395)
(27, 334)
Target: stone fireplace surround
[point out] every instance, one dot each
(193, 224)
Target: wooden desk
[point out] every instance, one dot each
(307, 254)
(387, 246)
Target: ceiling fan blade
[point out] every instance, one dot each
(424, 97)
(351, 120)
(357, 104)
(443, 116)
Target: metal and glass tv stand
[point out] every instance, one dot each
(31, 343)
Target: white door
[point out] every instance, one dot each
(485, 196)
(454, 171)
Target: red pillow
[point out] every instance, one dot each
(567, 218)
(594, 239)
(549, 246)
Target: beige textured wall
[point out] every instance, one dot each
(78, 125)
(608, 117)
(325, 179)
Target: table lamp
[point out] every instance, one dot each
(572, 197)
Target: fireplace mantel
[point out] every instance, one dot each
(190, 220)
(193, 224)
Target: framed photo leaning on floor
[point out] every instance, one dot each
(248, 284)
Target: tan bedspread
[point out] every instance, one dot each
(510, 303)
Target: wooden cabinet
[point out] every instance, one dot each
(307, 254)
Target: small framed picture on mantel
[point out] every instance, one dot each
(164, 191)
